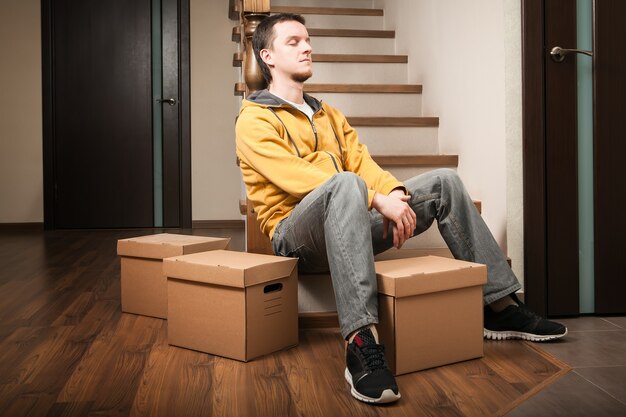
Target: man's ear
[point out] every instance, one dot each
(266, 56)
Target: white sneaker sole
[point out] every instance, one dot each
(387, 396)
(505, 335)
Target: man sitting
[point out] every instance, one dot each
(320, 197)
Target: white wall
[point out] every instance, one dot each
(21, 164)
(466, 55)
(513, 133)
(216, 184)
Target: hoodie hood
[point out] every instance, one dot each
(266, 99)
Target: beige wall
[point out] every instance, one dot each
(21, 170)
(216, 184)
(466, 54)
(513, 134)
(216, 180)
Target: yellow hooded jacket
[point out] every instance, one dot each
(283, 155)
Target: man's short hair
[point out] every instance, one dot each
(264, 36)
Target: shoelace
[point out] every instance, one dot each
(374, 356)
(528, 313)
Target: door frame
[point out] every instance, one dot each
(542, 291)
(184, 112)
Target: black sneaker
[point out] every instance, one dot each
(518, 322)
(367, 371)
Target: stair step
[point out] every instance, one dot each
(243, 208)
(351, 88)
(360, 58)
(394, 253)
(345, 11)
(330, 21)
(324, 3)
(364, 88)
(394, 121)
(352, 33)
(338, 33)
(375, 104)
(417, 160)
(400, 140)
(345, 41)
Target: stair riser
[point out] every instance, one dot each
(315, 293)
(346, 45)
(403, 173)
(372, 104)
(399, 140)
(359, 73)
(344, 22)
(429, 239)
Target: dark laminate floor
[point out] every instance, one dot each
(67, 350)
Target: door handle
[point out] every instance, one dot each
(169, 101)
(558, 54)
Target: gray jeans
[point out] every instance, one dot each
(331, 229)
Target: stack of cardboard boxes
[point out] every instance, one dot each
(243, 305)
(216, 301)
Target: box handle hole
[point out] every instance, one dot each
(273, 287)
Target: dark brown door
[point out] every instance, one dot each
(551, 158)
(610, 148)
(98, 115)
(561, 161)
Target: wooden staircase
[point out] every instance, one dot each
(371, 87)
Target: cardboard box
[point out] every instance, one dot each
(144, 287)
(430, 310)
(233, 304)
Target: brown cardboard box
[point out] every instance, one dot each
(430, 311)
(233, 304)
(144, 287)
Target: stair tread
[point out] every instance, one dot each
(243, 207)
(340, 33)
(348, 11)
(416, 160)
(352, 33)
(352, 88)
(345, 58)
(422, 160)
(412, 253)
(394, 121)
(364, 58)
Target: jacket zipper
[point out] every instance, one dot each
(314, 132)
(333, 159)
(310, 121)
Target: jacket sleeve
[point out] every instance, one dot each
(359, 161)
(261, 147)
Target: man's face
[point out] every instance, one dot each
(290, 54)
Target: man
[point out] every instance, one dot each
(320, 197)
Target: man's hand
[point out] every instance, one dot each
(394, 208)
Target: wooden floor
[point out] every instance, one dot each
(67, 350)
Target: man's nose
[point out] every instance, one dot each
(307, 48)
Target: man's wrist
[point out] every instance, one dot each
(400, 191)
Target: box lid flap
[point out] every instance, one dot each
(230, 268)
(427, 274)
(165, 245)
